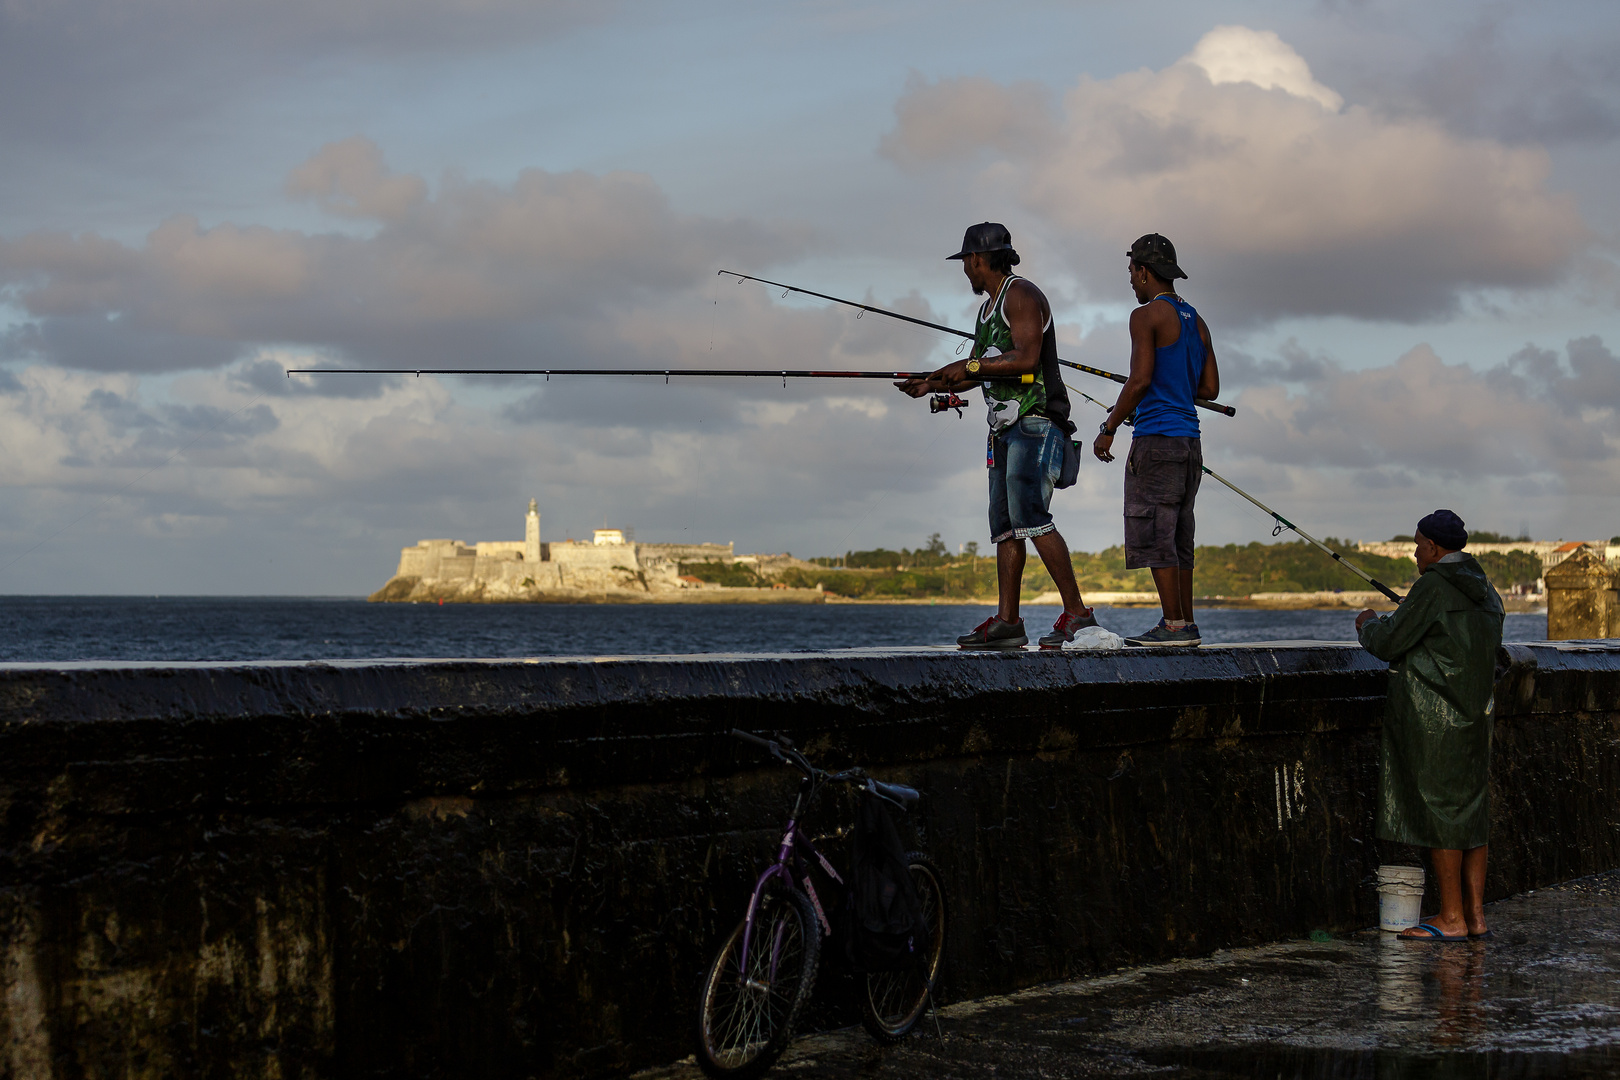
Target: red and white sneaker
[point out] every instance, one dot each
(1065, 627)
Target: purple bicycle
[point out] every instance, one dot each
(764, 973)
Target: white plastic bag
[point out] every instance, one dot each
(1095, 639)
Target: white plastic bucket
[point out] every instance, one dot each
(1400, 897)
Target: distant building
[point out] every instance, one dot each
(532, 569)
(1551, 552)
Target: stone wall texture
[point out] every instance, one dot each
(520, 868)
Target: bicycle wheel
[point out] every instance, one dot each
(895, 1000)
(751, 1004)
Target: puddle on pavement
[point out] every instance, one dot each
(1291, 1063)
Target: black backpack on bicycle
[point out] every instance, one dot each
(883, 926)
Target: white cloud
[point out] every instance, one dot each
(1278, 202)
(1236, 54)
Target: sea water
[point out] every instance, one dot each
(50, 629)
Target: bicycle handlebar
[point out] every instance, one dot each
(899, 794)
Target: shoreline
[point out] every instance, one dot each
(1312, 601)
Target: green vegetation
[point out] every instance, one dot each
(733, 575)
(1507, 569)
(932, 572)
(1231, 570)
(1475, 536)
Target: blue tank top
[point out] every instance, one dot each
(1167, 408)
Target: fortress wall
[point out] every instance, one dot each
(687, 552)
(497, 549)
(417, 562)
(588, 556)
(457, 569)
(484, 868)
(423, 559)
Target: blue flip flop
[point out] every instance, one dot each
(1486, 936)
(1434, 935)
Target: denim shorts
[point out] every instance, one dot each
(1027, 463)
(1162, 473)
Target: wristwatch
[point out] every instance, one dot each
(972, 367)
(1104, 429)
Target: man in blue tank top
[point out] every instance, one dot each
(1172, 363)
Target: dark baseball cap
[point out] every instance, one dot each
(983, 237)
(1158, 254)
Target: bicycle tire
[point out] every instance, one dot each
(894, 1001)
(741, 1029)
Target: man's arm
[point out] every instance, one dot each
(1390, 637)
(1143, 353)
(1022, 308)
(1209, 383)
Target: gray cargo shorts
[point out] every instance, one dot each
(1162, 473)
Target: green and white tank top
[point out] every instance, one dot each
(1007, 401)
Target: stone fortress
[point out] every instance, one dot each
(608, 567)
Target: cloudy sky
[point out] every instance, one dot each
(1398, 221)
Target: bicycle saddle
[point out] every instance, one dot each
(903, 797)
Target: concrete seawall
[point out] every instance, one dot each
(518, 868)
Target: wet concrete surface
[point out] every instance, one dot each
(1539, 999)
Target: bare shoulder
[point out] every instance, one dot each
(1025, 294)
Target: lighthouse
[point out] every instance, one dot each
(531, 534)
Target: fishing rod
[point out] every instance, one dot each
(1282, 522)
(747, 373)
(1203, 403)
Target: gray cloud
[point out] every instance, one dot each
(1535, 415)
(1280, 203)
(478, 275)
(1491, 79)
(269, 376)
(1294, 364)
(108, 73)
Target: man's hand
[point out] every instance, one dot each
(1361, 620)
(953, 376)
(1102, 447)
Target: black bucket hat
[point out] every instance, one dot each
(983, 237)
(1158, 254)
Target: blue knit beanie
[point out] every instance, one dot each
(1445, 529)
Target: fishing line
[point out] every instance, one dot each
(115, 494)
(1281, 522)
(1112, 376)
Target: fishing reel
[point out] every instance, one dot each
(946, 402)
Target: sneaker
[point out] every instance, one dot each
(1162, 635)
(995, 634)
(1063, 630)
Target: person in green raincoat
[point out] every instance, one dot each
(1434, 760)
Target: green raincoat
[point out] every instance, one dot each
(1434, 775)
